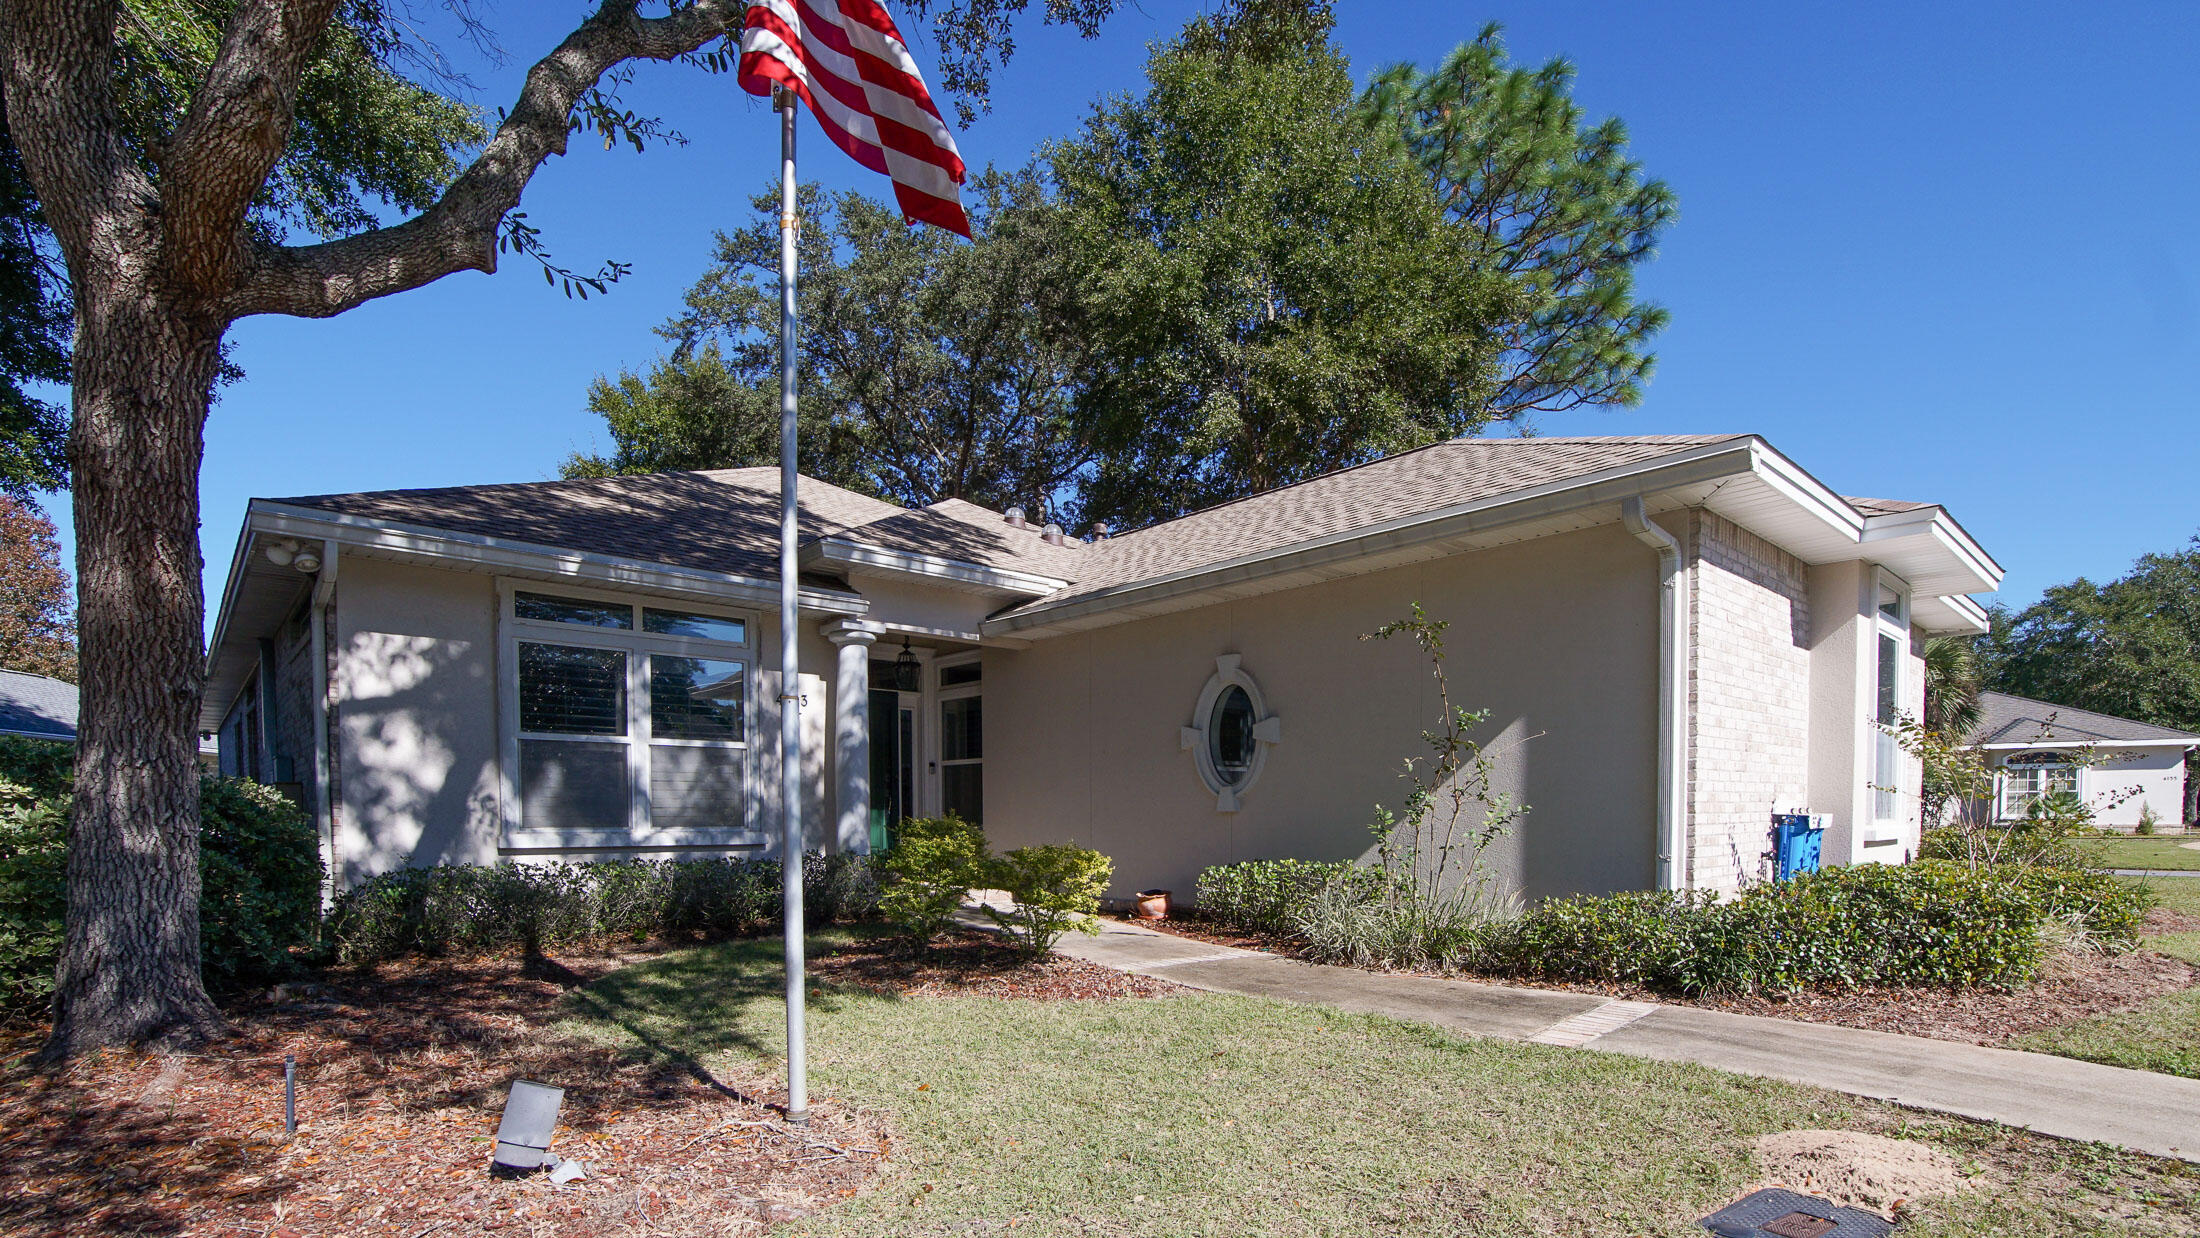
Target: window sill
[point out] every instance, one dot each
(615, 840)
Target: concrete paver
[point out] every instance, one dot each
(2158, 1114)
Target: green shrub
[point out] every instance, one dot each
(1056, 888)
(259, 883)
(524, 908)
(2112, 911)
(1641, 937)
(1274, 896)
(259, 875)
(1926, 924)
(933, 865)
(33, 884)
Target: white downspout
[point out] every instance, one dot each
(1672, 689)
(324, 813)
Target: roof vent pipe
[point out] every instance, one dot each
(1100, 531)
(1015, 518)
(1052, 535)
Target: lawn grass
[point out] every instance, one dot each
(2144, 851)
(2161, 1034)
(1213, 1114)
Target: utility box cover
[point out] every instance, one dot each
(530, 1115)
(1775, 1213)
(1798, 842)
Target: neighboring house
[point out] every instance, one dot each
(2128, 767)
(39, 706)
(1675, 638)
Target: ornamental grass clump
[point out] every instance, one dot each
(1433, 901)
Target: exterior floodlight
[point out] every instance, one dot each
(530, 1115)
(307, 561)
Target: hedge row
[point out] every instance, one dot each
(259, 876)
(1930, 923)
(470, 909)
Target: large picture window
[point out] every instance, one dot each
(627, 722)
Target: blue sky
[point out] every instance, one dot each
(1936, 252)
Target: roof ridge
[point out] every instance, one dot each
(1458, 441)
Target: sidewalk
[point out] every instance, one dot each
(2146, 1112)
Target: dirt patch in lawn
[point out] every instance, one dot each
(402, 1075)
(2074, 985)
(1857, 1170)
(973, 964)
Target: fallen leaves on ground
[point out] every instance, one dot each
(402, 1074)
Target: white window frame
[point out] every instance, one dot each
(940, 695)
(1267, 732)
(2005, 810)
(637, 645)
(1888, 787)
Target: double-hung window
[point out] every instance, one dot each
(626, 721)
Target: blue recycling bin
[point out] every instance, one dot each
(1797, 839)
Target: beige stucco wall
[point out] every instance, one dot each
(416, 723)
(415, 689)
(1749, 692)
(1556, 637)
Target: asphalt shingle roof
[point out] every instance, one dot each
(722, 520)
(2006, 719)
(727, 520)
(1882, 507)
(37, 705)
(1443, 475)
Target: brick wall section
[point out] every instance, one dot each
(1749, 697)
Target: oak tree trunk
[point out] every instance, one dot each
(144, 371)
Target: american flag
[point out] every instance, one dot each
(848, 63)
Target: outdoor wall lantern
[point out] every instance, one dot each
(908, 672)
(530, 1115)
(1231, 733)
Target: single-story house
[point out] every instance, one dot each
(39, 706)
(2034, 748)
(1675, 637)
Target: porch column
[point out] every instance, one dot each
(852, 733)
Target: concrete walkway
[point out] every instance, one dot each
(2159, 1114)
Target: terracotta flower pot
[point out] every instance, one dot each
(1153, 904)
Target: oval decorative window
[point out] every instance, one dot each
(1230, 732)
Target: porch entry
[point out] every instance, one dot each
(927, 742)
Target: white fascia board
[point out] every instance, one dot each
(1707, 463)
(1795, 484)
(500, 554)
(1950, 538)
(843, 553)
(2078, 741)
(1950, 613)
(237, 559)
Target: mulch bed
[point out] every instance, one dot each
(2075, 986)
(402, 1074)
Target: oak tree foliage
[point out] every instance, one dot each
(194, 162)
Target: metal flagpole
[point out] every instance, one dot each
(790, 672)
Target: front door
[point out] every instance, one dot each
(893, 763)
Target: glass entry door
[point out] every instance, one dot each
(893, 763)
